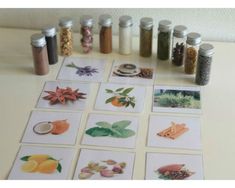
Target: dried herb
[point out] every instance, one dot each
(81, 71)
(178, 54)
(190, 60)
(63, 95)
(163, 49)
(146, 42)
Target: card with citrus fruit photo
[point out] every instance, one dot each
(47, 127)
(42, 163)
(120, 97)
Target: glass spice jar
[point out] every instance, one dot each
(205, 54)
(105, 23)
(178, 45)
(164, 39)
(51, 40)
(192, 45)
(40, 57)
(66, 36)
(125, 35)
(86, 22)
(146, 36)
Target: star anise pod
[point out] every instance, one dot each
(63, 95)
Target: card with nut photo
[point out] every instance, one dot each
(132, 73)
(82, 69)
(174, 132)
(111, 131)
(161, 166)
(46, 127)
(104, 165)
(64, 95)
(42, 163)
(177, 99)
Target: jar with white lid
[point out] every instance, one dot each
(179, 45)
(51, 40)
(66, 36)
(105, 35)
(205, 56)
(164, 39)
(86, 22)
(146, 36)
(40, 57)
(192, 46)
(125, 35)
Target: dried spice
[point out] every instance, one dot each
(178, 54)
(106, 40)
(146, 73)
(146, 42)
(63, 95)
(66, 41)
(190, 60)
(108, 170)
(87, 39)
(83, 71)
(174, 172)
(163, 49)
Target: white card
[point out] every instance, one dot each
(52, 164)
(111, 130)
(82, 69)
(119, 162)
(52, 128)
(51, 86)
(120, 97)
(174, 132)
(132, 73)
(173, 166)
(176, 99)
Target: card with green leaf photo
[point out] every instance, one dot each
(120, 97)
(111, 130)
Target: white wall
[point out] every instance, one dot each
(213, 24)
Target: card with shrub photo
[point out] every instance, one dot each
(177, 99)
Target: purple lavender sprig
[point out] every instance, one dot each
(81, 71)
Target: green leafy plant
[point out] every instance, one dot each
(117, 129)
(120, 97)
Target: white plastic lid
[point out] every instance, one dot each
(105, 20)
(194, 38)
(86, 20)
(180, 31)
(164, 25)
(206, 49)
(125, 21)
(38, 40)
(146, 23)
(66, 22)
(49, 31)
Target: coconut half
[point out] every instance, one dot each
(43, 128)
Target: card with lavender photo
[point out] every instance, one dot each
(111, 130)
(120, 97)
(132, 73)
(160, 166)
(176, 99)
(104, 165)
(174, 132)
(52, 127)
(64, 95)
(42, 163)
(82, 69)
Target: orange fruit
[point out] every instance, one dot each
(48, 166)
(115, 102)
(59, 127)
(29, 166)
(38, 158)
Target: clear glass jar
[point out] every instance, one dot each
(192, 46)
(66, 36)
(40, 57)
(51, 40)
(179, 45)
(146, 36)
(86, 22)
(125, 35)
(205, 55)
(164, 40)
(105, 23)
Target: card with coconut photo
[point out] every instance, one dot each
(47, 127)
(64, 95)
(161, 166)
(104, 165)
(120, 97)
(132, 73)
(174, 132)
(42, 163)
(82, 69)
(177, 99)
(111, 130)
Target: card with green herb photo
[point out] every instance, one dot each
(176, 99)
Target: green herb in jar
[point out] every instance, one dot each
(163, 50)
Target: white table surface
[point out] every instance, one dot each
(20, 89)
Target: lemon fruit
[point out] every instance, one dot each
(29, 166)
(38, 158)
(48, 166)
